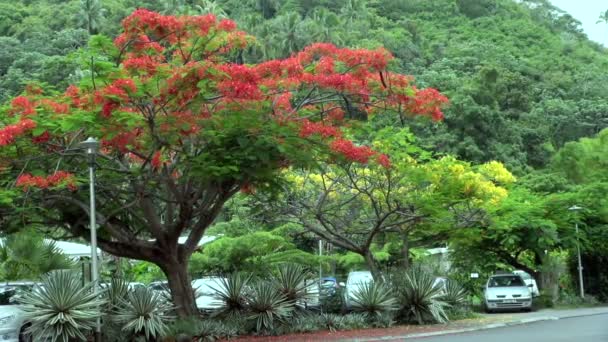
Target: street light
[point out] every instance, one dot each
(578, 251)
(91, 146)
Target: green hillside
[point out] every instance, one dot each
(521, 76)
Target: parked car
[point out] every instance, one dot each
(205, 294)
(529, 281)
(13, 324)
(329, 286)
(354, 281)
(507, 292)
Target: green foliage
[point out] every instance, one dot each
(418, 299)
(113, 296)
(26, 256)
(144, 312)
(61, 308)
(255, 252)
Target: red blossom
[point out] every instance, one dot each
(57, 179)
(227, 25)
(309, 128)
(10, 132)
(359, 154)
(42, 138)
(384, 160)
(22, 105)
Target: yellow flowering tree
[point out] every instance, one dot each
(352, 205)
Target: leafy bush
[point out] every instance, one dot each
(266, 306)
(374, 300)
(419, 300)
(290, 281)
(61, 308)
(144, 312)
(231, 292)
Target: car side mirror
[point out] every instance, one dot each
(342, 284)
(530, 285)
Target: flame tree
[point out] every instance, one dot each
(183, 128)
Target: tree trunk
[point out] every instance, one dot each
(372, 265)
(181, 288)
(405, 251)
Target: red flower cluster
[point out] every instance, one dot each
(428, 102)
(22, 105)
(59, 178)
(359, 154)
(309, 128)
(10, 132)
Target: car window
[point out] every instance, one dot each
(9, 295)
(505, 281)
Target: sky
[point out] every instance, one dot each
(587, 12)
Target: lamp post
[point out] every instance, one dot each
(578, 252)
(91, 146)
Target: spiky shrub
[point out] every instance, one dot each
(454, 294)
(195, 329)
(267, 306)
(418, 299)
(61, 308)
(373, 300)
(144, 313)
(232, 292)
(290, 280)
(113, 296)
(332, 322)
(355, 321)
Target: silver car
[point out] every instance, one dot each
(507, 292)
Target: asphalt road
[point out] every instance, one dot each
(577, 329)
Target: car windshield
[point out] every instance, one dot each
(506, 281)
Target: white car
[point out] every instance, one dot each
(353, 283)
(13, 324)
(507, 292)
(205, 294)
(529, 281)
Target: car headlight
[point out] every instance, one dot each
(7, 319)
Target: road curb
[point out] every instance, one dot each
(478, 328)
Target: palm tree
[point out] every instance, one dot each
(603, 18)
(26, 255)
(91, 15)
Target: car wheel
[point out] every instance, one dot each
(24, 336)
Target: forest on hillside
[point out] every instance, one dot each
(526, 88)
(522, 77)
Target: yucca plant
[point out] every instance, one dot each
(113, 296)
(454, 294)
(373, 300)
(418, 298)
(144, 312)
(231, 291)
(290, 280)
(332, 322)
(61, 308)
(266, 306)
